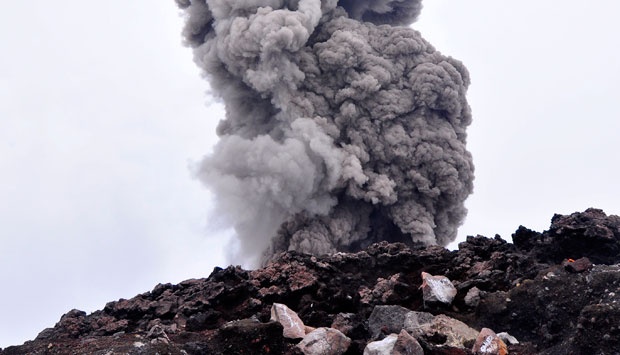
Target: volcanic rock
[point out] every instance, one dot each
(579, 265)
(488, 343)
(529, 289)
(395, 344)
(294, 328)
(386, 320)
(441, 330)
(437, 289)
(324, 341)
(406, 345)
(472, 298)
(591, 233)
(381, 347)
(507, 338)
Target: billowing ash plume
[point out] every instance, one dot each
(342, 128)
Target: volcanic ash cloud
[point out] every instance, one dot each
(342, 127)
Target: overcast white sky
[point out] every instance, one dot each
(102, 110)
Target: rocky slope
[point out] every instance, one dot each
(556, 292)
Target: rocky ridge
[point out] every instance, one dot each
(555, 292)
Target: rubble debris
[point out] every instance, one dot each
(384, 290)
(524, 289)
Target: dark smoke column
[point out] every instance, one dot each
(342, 127)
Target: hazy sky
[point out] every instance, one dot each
(102, 111)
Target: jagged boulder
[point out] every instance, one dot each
(324, 341)
(437, 289)
(293, 326)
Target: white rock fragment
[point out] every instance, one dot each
(381, 347)
(294, 328)
(324, 341)
(395, 344)
(507, 338)
(437, 289)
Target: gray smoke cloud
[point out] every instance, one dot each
(342, 127)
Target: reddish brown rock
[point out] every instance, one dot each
(406, 345)
(384, 290)
(488, 343)
(577, 266)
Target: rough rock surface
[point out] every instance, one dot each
(437, 289)
(529, 289)
(488, 343)
(294, 328)
(395, 344)
(324, 341)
